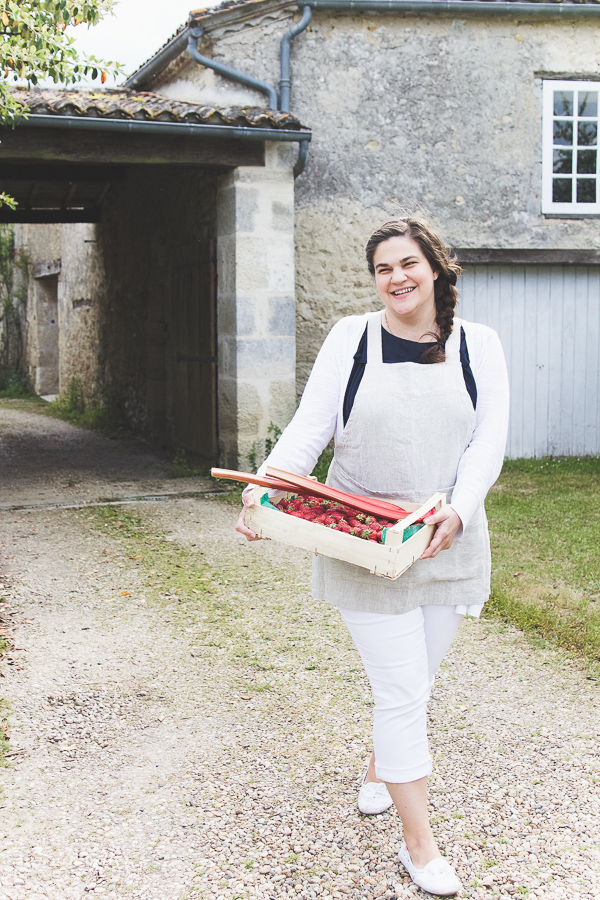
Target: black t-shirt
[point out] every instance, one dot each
(396, 350)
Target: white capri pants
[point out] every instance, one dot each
(401, 655)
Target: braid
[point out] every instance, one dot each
(442, 262)
(446, 297)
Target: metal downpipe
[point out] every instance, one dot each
(227, 71)
(286, 40)
(302, 158)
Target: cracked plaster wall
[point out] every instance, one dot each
(433, 111)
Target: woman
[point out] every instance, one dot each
(418, 403)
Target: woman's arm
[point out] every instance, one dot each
(314, 422)
(481, 462)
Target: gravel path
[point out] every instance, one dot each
(187, 723)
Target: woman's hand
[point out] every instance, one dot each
(448, 522)
(241, 526)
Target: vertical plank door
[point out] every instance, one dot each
(548, 319)
(193, 350)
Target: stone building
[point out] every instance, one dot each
(483, 113)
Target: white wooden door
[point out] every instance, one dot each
(548, 319)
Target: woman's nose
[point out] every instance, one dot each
(398, 275)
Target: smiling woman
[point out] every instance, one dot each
(416, 281)
(418, 402)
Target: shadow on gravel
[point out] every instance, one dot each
(48, 462)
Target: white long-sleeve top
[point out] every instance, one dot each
(319, 416)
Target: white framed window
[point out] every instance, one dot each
(570, 174)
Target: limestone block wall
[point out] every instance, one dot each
(256, 308)
(79, 310)
(41, 244)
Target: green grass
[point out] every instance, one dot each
(545, 532)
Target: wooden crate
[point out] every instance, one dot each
(389, 560)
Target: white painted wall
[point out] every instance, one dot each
(548, 319)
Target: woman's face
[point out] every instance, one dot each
(405, 280)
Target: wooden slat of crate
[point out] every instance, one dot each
(389, 560)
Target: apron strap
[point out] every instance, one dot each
(374, 348)
(453, 343)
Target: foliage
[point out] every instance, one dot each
(106, 418)
(184, 467)
(322, 467)
(256, 450)
(35, 47)
(13, 300)
(544, 523)
(273, 435)
(13, 384)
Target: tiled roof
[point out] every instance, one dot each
(148, 107)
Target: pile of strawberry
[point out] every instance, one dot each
(334, 515)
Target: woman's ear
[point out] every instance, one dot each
(435, 275)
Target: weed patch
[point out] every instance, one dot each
(105, 418)
(184, 467)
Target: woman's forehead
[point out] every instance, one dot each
(395, 249)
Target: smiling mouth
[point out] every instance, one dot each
(403, 291)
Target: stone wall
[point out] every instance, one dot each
(431, 111)
(257, 353)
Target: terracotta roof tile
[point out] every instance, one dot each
(148, 107)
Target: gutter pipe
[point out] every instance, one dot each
(461, 7)
(227, 71)
(286, 40)
(95, 123)
(168, 53)
(302, 158)
(269, 90)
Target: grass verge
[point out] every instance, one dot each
(544, 519)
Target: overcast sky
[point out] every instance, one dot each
(135, 31)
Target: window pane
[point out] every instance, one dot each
(587, 102)
(563, 131)
(562, 190)
(586, 161)
(586, 190)
(563, 103)
(563, 161)
(587, 133)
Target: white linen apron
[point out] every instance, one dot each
(409, 427)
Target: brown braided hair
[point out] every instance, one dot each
(440, 258)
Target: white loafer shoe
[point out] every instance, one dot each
(373, 798)
(438, 877)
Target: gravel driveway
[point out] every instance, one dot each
(186, 722)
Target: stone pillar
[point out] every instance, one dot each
(256, 316)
